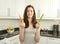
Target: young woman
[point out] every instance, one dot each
(29, 27)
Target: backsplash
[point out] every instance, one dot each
(45, 24)
(48, 24)
(5, 23)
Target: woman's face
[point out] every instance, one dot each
(30, 12)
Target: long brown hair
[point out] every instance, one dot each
(26, 17)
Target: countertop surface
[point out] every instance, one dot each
(49, 33)
(16, 32)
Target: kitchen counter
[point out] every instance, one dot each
(16, 32)
(48, 33)
(5, 34)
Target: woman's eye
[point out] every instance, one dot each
(27, 11)
(31, 11)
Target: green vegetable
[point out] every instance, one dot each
(10, 28)
(40, 19)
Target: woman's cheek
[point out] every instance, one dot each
(30, 16)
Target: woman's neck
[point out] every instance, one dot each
(30, 22)
(29, 19)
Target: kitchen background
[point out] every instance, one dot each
(11, 9)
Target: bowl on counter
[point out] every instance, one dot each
(10, 30)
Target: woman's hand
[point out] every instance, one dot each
(22, 24)
(37, 25)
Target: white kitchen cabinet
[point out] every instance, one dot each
(14, 40)
(43, 40)
(49, 40)
(7, 8)
(53, 40)
(20, 6)
(49, 8)
(11, 8)
(17, 8)
(3, 8)
(1, 42)
(11, 40)
(4, 41)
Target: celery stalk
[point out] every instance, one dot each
(40, 19)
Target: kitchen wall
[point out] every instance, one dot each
(5, 23)
(48, 24)
(45, 24)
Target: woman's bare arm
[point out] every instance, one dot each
(21, 34)
(22, 25)
(37, 34)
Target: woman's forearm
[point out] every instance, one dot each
(37, 35)
(21, 34)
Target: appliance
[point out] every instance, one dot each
(55, 30)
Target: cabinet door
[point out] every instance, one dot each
(20, 6)
(3, 8)
(12, 8)
(53, 41)
(43, 40)
(16, 8)
(49, 8)
(14, 40)
(1, 42)
(4, 41)
(7, 8)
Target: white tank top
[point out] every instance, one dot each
(29, 36)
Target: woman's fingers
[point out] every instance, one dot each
(22, 24)
(37, 25)
(21, 20)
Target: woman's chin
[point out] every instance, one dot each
(29, 16)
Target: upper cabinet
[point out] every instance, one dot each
(3, 8)
(14, 8)
(49, 8)
(58, 11)
(7, 8)
(17, 7)
(20, 6)
(11, 8)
